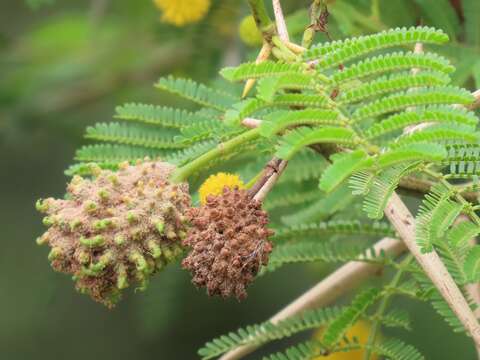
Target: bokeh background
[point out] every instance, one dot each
(67, 64)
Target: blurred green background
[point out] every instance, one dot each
(67, 64)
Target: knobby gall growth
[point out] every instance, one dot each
(116, 229)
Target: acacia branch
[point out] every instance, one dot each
(344, 279)
(404, 224)
(280, 21)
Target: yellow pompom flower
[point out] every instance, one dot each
(361, 330)
(182, 12)
(215, 184)
(249, 33)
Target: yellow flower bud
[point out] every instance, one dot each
(215, 184)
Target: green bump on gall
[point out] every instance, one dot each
(122, 277)
(42, 240)
(55, 254)
(41, 205)
(75, 224)
(103, 195)
(131, 217)
(119, 240)
(154, 249)
(139, 261)
(48, 221)
(96, 241)
(90, 206)
(160, 225)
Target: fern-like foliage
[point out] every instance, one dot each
(341, 113)
(197, 93)
(133, 134)
(269, 86)
(306, 252)
(157, 115)
(378, 188)
(393, 62)
(267, 331)
(420, 97)
(431, 114)
(436, 215)
(299, 138)
(338, 52)
(392, 83)
(337, 328)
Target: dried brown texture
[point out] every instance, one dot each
(229, 242)
(117, 228)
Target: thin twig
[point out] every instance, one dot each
(262, 56)
(280, 20)
(265, 189)
(404, 223)
(344, 279)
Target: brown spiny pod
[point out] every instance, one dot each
(229, 243)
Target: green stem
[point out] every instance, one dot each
(262, 19)
(382, 308)
(181, 174)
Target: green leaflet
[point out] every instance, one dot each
(314, 251)
(425, 152)
(322, 208)
(342, 167)
(442, 134)
(278, 121)
(417, 97)
(462, 233)
(197, 93)
(307, 165)
(265, 332)
(334, 227)
(263, 69)
(352, 48)
(248, 107)
(269, 86)
(392, 83)
(302, 351)
(472, 264)
(433, 113)
(379, 188)
(134, 134)
(393, 62)
(299, 138)
(430, 215)
(157, 115)
(102, 153)
(395, 349)
(335, 331)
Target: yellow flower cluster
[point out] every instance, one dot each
(361, 330)
(215, 184)
(182, 12)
